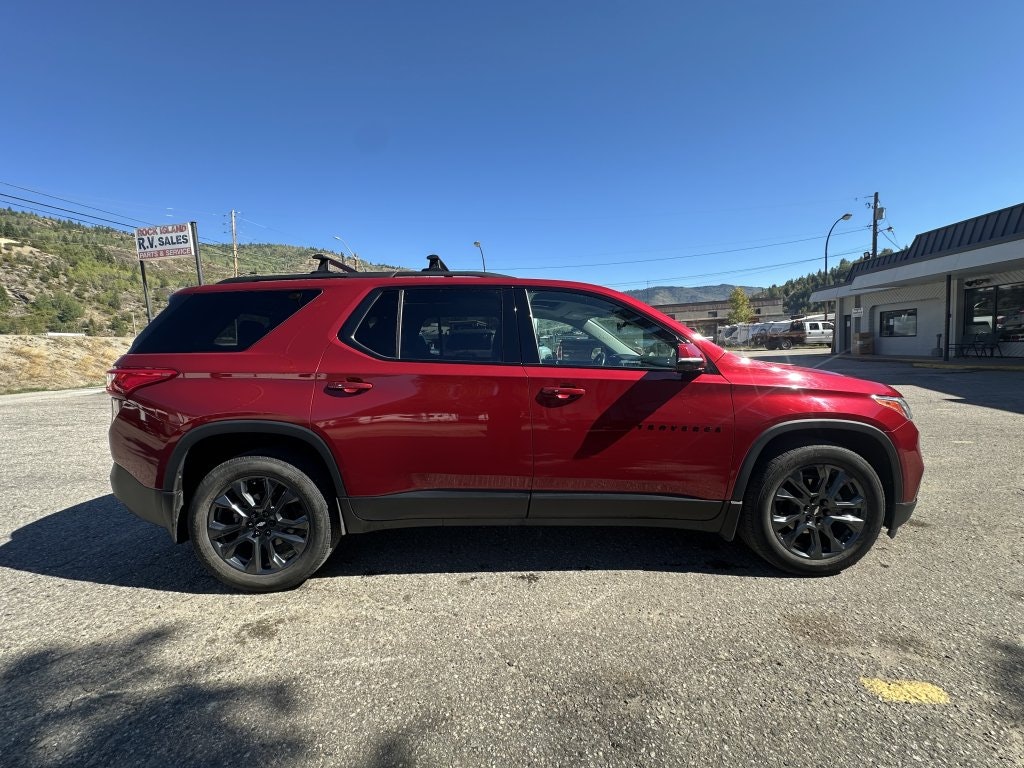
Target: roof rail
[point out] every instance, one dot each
(435, 268)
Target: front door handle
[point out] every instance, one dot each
(563, 393)
(349, 387)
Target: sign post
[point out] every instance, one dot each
(194, 230)
(166, 241)
(145, 292)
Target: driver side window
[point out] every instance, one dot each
(581, 330)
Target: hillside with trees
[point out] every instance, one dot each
(58, 275)
(796, 293)
(659, 295)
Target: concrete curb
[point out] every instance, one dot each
(918, 362)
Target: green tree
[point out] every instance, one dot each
(742, 311)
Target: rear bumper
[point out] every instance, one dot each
(153, 506)
(902, 510)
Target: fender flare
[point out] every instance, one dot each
(172, 474)
(802, 425)
(172, 484)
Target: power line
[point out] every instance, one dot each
(103, 210)
(732, 271)
(65, 210)
(22, 203)
(69, 218)
(73, 202)
(677, 258)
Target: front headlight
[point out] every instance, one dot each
(896, 403)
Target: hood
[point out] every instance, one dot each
(745, 370)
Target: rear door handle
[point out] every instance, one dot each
(349, 387)
(563, 393)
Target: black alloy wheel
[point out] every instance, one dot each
(813, 510)
(818, 511)
(260, 524)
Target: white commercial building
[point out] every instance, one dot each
(956, 290)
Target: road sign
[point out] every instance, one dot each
(166, 241)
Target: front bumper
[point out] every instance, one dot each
(901, 512)
(152, 505)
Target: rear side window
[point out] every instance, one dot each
(434, 324)
(219, 322)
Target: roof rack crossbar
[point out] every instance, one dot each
(434, 264)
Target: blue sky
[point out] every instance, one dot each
(611, 142)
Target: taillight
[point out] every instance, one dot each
(124, 381)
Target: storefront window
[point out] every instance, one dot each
(978, 304)
(901, 322)
(997, 308)
(1010, 312)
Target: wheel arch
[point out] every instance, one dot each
(206, 446)
(864, 439)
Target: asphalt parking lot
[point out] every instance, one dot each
(517, 647)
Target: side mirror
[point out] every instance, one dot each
(689, 358)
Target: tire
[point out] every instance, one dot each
(813, 510)
(260, 524)
(785, 343)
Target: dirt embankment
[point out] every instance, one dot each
(56, 362)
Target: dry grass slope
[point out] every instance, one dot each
(42, 363)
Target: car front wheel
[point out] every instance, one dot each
(260, 524)
(813, 510)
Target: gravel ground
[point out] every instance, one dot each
(515, 647)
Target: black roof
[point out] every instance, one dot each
(436, 268)
(316, 275)
(988, 229)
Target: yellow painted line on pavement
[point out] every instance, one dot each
(905, 691)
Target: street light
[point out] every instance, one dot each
(342, 241)
(844, 217)
(482, 260)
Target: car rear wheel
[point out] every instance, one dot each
(813, 510)
(260, 524)
(786, 343)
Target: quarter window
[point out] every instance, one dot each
(378, 331)
(226, 321)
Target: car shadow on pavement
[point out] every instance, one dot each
(1009, 678)
(525, 548)
(133, 700)
(100, 542)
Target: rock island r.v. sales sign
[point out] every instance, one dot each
(164, 241)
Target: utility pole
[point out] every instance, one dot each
(874, 228)
(235, 241)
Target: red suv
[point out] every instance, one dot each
(266, 417)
